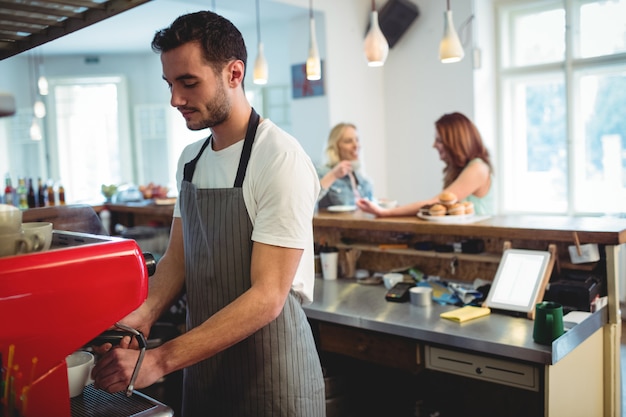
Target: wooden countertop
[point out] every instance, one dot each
(601, 230)
(151, 209)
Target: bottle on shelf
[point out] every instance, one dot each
(22, 194)
(61, 195)
(41, 193)
(9, 191)
(30, 197)
(51, 199)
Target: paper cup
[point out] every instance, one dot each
(330, 261)
(421, 296)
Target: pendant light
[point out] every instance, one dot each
(260, 64)
(35, 130)
(450, 48)
(42, 81)
(313, 63)
(376, 46)
(39, 108)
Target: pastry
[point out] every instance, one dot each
(456, 209)
(469, 207)
(437, 210)
(447, 198)
(425, 210)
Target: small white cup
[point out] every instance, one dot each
(330, 262)
(39, 233)
(361, 273)
(386, 203)
(10, 219)
(14, 243)
(79, 365)
(392, 278)
(421, 296)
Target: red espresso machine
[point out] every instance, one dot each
(51, 304)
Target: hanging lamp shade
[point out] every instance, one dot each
(260, 63)
(35, 130)
(375, 46)
(450, 48)
(313, 62)
(260, 67)
(42, 84)
(39, 109)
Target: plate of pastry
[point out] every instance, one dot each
(447, 218)
(447, 210)
(341, 209)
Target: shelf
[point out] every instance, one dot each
(480, 257)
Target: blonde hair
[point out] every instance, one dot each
(332, 148)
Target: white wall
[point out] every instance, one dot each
(394, 106)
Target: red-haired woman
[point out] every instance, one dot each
(468, 173)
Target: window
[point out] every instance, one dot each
(562, 79)
(90, 143)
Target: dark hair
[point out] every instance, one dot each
(463, 143)
(220, 40)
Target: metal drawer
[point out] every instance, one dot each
(483, 367)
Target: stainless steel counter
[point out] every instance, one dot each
(364, 306)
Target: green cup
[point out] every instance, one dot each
(548, 322)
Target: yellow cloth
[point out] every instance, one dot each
(463, 314)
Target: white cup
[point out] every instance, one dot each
(392, 278)
(361, 273)
(421, 296)
(386, 203)
(330, 262)
(79, 365)
(14, 244)
(39, 233)
(10, 219)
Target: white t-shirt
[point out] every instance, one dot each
(280, 191)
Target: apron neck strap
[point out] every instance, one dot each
(253, 124)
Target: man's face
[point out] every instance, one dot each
(197, 91)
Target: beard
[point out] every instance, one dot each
(217, 111)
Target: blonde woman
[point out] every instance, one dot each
(341, 178)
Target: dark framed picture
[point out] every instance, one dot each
(301, 87)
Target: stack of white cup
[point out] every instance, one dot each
(17, 237)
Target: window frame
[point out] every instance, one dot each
(572, 67)
(126, 146)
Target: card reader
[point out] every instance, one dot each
(399, 292)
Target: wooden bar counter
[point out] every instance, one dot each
(579, 375)
(131, 215)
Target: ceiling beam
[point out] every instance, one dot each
(95, 13)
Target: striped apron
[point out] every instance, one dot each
(274, 372)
